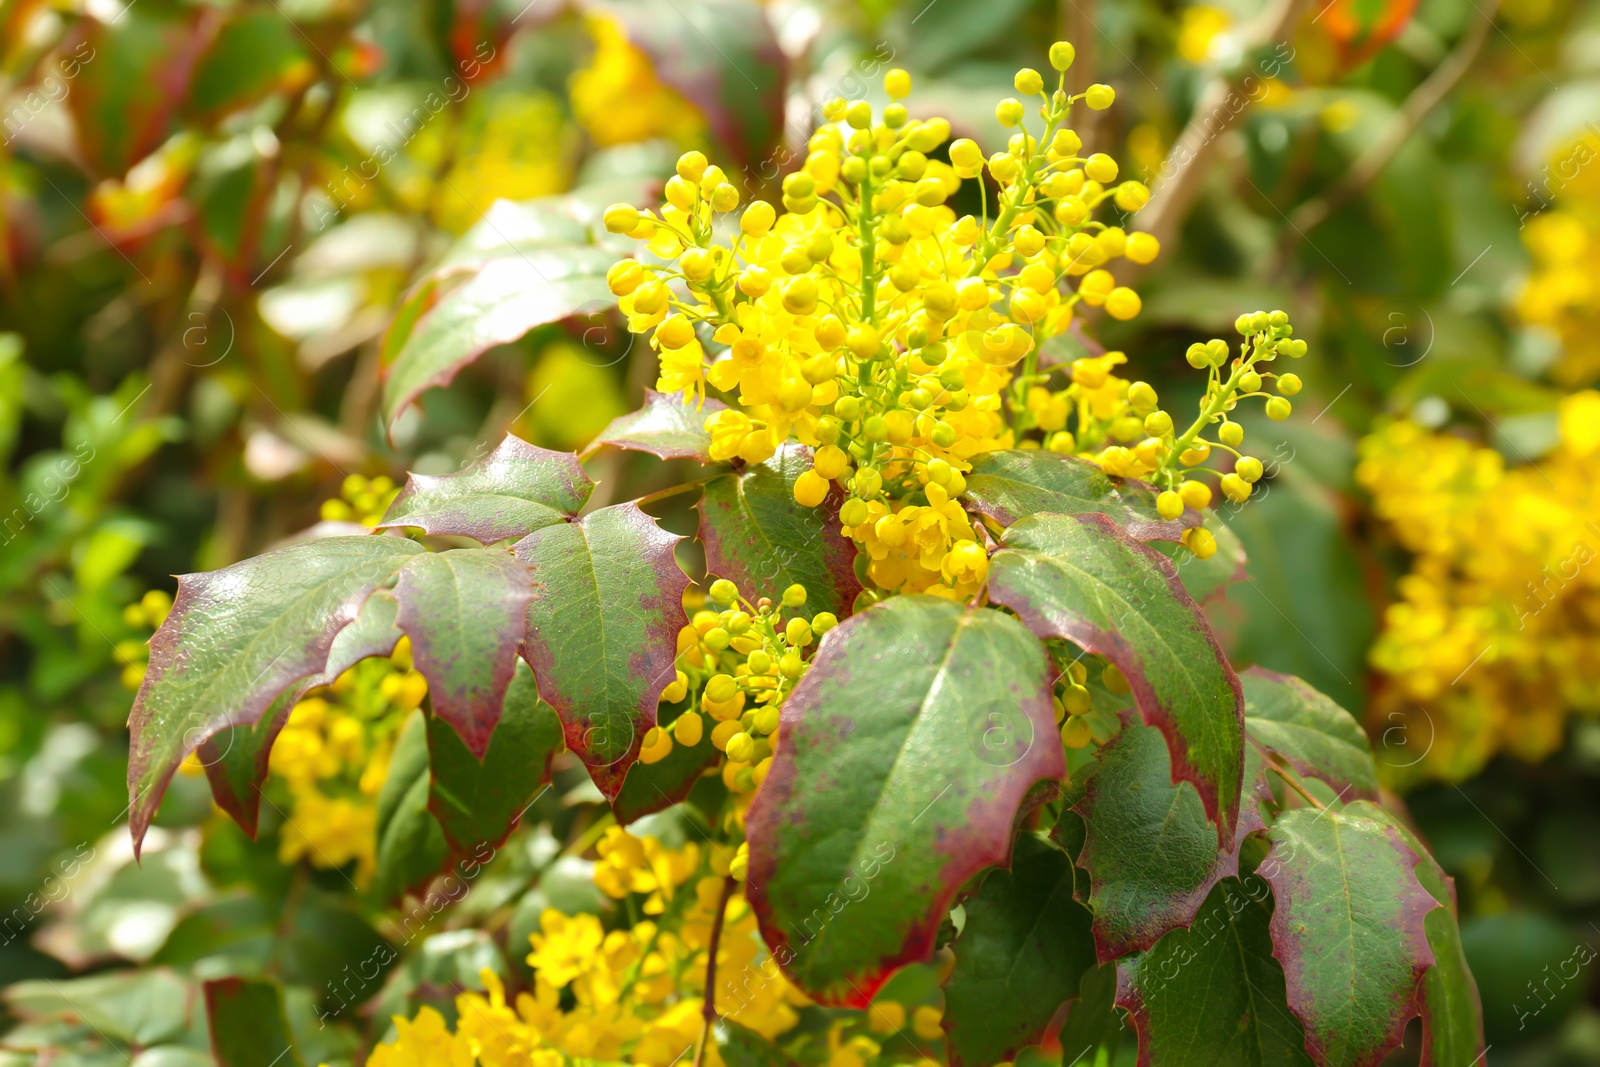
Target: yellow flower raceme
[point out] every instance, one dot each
(898, 340)
(618, 98)
(1495, 634)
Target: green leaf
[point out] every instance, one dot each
(236, 758)
(514, 490)
(666, 425)
(525, 265)
(1007, 487)
(127, 77)
(920, 732)
(1085, 579)
(1024, 949)
(255, 53)
(653, 787)
(478, 804)
(759, 538)
(1092, 1020)
(411, 845)
(1213, 994)
(248, 1026)
(466, 612)
(723, 57)
(1151, 855)
(1311, 733)
(603, 631)
(1348, 927)
(741, 1046)
(238, 638)
(1452, 1010)
(144, 1007)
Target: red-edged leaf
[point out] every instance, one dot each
(514, 490)
(1151, 855)
(909, 749)
(1084, 578)
(248, 1025)
(1009, 486)
(466, 612)
(1349, 929)
(603, 631)
(666, 426)
(1311, 733)
(129, 84)
(238, 638)
(236, 758)
(759, 538)
(479, 803)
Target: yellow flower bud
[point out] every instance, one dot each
(897, 83)
(810, 489)
(1195, 494)
(688, 729)
(1142, 248)
(1123, 303)
(621, 218)
(1028, 82)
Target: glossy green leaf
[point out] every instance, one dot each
(723, 57)
(759, 538)
(603, 631)
(238, 638)
(1085, 579)
(909, 748)
(1151, 854)
(1348, 927)
(511, 294)
(478, 804)
(466, 612)
(514, 490)
(236, 758)
(1024, 949)
(1213, 994)
(411, 845)
(1452, 1010)
(666, 425)
(1092, 1020)
(1009, 486)
(248, 1025)
(255, 52)
(129, 73)
(1315, 736)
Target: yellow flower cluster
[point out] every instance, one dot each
(1495, 634)
(145, 614)
(333, 756)
(898, 340)
(362, 500)
(618, 98)
(741, 659)
(1563, 294)
(633, 995)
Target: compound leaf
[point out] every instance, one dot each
(666, 425)
(1309, 731)
(466, 612)
(1021, 955)
(1348, 927)
(603, 630)
(1084, 578)
(238, 638)
(1213, 994)
(1151, 855)
(758, 537)
(909, 748)
(1009, 486)
(514, 490)
(479, 803)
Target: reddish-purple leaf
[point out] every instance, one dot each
(1349, 928)
(466, 612)
(514, 490)
(666, 426)
(603, 631)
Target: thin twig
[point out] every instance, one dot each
(1378, 155)
(709, 1010)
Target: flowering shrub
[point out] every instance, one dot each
(942, 689)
